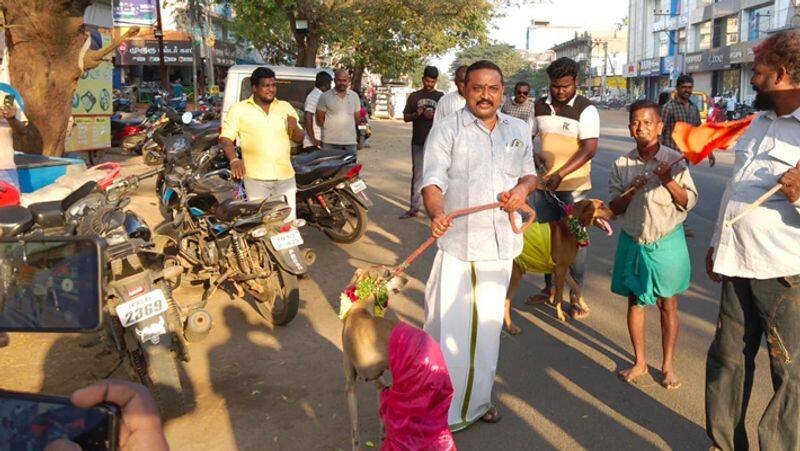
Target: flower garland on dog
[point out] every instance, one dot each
(370, 286)
(575, 228)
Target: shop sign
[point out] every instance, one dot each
(650, 67)
(134, 12)
(145, 52)
(743, 52)
(716, 59)
(694, 62)
(630, 70)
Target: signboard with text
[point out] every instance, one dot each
(134, 12)
(145, 52)
(650, 67)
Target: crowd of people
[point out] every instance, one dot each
(472, 147)
(483, 151)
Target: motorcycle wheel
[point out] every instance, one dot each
(279, 301)
(163, 379)
(355, 220)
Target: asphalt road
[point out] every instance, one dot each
(251, 387)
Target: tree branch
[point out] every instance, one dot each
(93, 58)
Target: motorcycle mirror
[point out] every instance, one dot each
(186, 118)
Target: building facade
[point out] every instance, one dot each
(601, 58)
(711, 40)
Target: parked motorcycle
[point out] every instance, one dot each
(200, 134)
(221, 240)
(142, 322)
(331, 195)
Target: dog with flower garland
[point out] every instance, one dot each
(550, 248)
(413, 410)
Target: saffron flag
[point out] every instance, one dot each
(697, 143)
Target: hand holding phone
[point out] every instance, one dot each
(141, 424)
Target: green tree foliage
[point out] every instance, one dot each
(514, 67)
(504, 55)
(390, 37)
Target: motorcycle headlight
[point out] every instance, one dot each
(278, 214)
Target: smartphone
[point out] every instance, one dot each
(32, 422)
(50, 284)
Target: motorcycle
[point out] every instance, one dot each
(331, 195)
(222, 240)
(142, 320)
(200, 134)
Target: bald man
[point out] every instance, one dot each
(338, 113)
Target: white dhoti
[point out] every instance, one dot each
(464, 307)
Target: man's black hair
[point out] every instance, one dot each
(430, 72)
(643, 105)
(484, 64)
(323, 78)
(521, 83)
(461, 67)
(259, 73)
(684, 78)
(562, 67)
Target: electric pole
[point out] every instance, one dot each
(603, 91)
(159, 33)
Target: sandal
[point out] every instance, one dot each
(492, 416)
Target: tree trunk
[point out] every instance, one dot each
(44, 40)
(358, 75)
(307, 48)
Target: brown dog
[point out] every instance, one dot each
(563, 249)
(365, 343)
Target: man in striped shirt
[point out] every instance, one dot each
(568, 126)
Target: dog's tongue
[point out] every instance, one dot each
(605, 226)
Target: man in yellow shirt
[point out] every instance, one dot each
(265, 127)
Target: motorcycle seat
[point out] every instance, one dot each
(305, 175)
(14, 220)
(211, 185)
(319, 156)
(202, 129)
(47, 214)
(235, 209)
(124, 118)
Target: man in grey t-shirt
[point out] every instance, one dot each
(338, 115)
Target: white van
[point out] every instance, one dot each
(294, 84)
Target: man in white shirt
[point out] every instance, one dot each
(452, 101)
(313, 133)
(730, 106)
(474, 156)
(757, 259)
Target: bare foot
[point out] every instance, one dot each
(632, 374)
(576, 312)
(512, 328)
(671, 381)
(540, 298)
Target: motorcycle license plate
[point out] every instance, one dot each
(286, 240)
(362, 127)
(358, 186)
(141, 308)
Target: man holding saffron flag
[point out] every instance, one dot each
(652, 260)
(758, 262)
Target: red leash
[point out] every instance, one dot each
(467, 211)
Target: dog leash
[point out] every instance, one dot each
(463, 212)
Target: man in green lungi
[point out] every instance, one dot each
(652, 262)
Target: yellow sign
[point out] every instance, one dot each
(94, 94)
(213, 90)
(89, 133)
